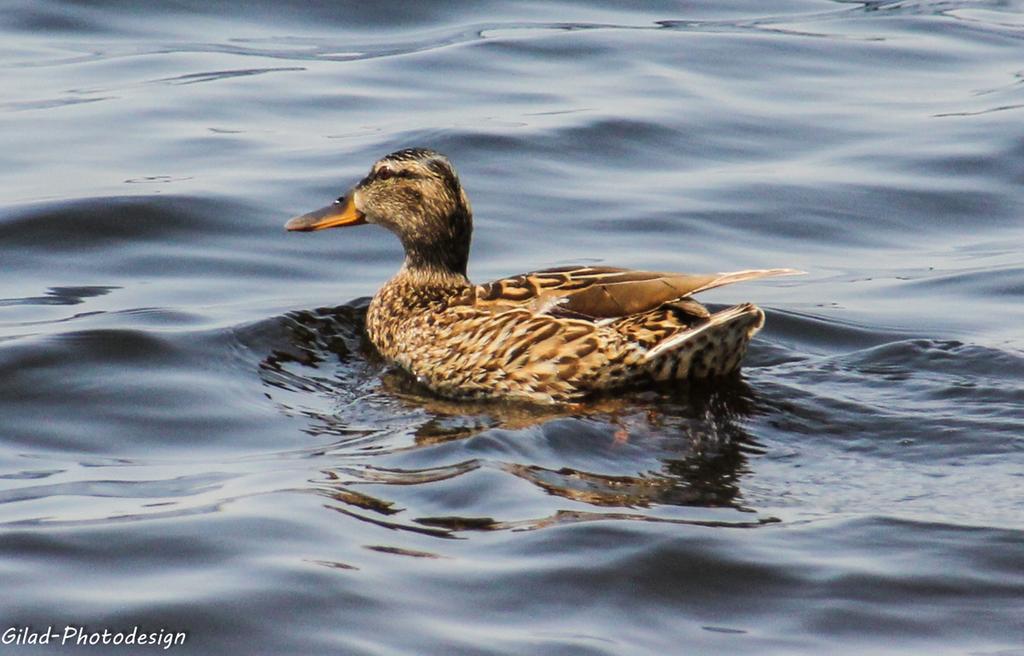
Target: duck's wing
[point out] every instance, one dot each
(605, 292)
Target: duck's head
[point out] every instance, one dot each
(415, 193)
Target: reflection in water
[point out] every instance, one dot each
(61, 296)
(635, 453)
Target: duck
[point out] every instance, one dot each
(551, 336)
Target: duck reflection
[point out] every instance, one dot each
(623, 457)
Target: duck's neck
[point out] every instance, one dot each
(426, 277)
(440, 262)
(440, 254)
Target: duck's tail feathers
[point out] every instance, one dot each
(714, 348)
(749, 274)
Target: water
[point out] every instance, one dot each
(195, 438)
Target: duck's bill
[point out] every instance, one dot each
(342, 212)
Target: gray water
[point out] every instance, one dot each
(196, 438)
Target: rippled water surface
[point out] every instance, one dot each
(195, 436)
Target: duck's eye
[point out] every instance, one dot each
(383, 173)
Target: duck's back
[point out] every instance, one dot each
(533, 340)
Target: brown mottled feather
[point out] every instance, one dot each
(606, 292)
(462, 342)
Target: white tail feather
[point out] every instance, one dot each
(748, 274)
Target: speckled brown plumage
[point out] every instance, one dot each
(548, 336)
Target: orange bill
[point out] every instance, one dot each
(341, 212)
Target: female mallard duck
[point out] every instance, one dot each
(548, 336)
